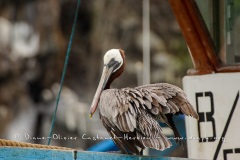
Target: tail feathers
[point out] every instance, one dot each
(116, 134)
(160, 142)
(177, 137)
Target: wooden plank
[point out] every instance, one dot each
(14, 153)
(9, 153)
(114, 156)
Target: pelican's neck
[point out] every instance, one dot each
(107, 86)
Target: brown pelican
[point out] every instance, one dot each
(131, 115)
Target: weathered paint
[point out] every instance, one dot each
(9, 153)
(14, 153)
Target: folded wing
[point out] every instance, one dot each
(135, 111)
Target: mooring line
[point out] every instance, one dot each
(64, 71)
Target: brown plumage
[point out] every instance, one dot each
(131, 115)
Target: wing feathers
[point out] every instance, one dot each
(148, 104)
(136, 111)
(169, 98)
(155, 110)
(132, 119)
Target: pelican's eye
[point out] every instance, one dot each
(114, 64)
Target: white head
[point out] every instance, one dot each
(113, 57)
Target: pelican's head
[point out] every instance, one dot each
(114, 62)
(114, 58)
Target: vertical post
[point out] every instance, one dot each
(146, 48)
(198, 39)
(146, 42)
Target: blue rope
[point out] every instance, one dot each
(64, 71)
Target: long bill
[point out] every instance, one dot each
(102, 84)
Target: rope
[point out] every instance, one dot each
(64, 71)
(4, 143)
